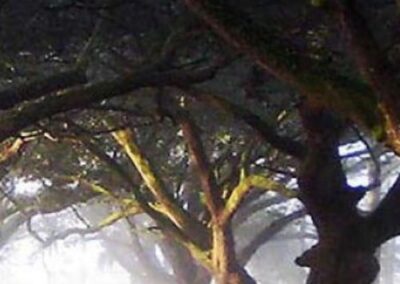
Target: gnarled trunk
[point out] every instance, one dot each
(345, 251)
(339, 264)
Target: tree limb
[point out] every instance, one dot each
(167, 204)
(373, 65)
(15, 119)
(246, 183)
(322, 85)
(39, 87)
(201, 165)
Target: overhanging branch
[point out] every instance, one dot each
(15, 119)
(322, 85)
(197, 154)
(39, 87)
(373, 65)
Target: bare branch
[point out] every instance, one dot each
(15, 119)
(201, 165)
(373, 65)
(40, 87)
(196, 240)
(167, 204)
(246, 183)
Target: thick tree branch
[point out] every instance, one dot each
(195, 241)
(39, 87)
(15, 119)
(323, 86)
(373, 65)
(246, 183)
(167, 205)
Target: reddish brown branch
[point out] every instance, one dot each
(201, 165)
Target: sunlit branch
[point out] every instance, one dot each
(10, 149)
(108, 221)
(246, 183)
(195, 241)
(126, 140)
(128, 206)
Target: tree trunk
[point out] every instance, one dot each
(228, 269)
(339, 264)
(345, 253)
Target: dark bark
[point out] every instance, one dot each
(339, 265)
(344, 253)
(15, 119)
(40, 87)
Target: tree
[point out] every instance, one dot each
(301, 87)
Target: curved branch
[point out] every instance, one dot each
(195, 241)
(14, 120)
(39, 87)
(245, 184)
(167, 204)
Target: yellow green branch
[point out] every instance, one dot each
(244, 186)
(167, 204)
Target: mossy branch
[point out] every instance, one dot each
(245, 184)
(167, 204)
